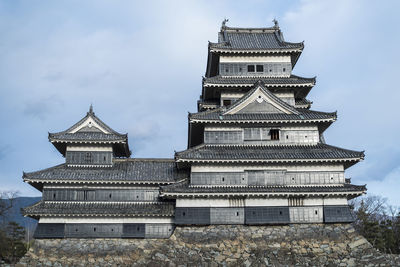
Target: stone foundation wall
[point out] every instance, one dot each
(301, 245)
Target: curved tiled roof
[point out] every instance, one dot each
(87, 136)
(73, 208)
(268, 153)
(293, 80)
(184, 187)
(304, 115)
(124, 170)
(253, 39)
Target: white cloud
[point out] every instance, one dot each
(389, 186)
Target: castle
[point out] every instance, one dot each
(256, 156)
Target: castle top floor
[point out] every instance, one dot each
(252, 52)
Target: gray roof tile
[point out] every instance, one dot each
(123, 170)
(97, 209)
(304, 115)
(293, 80)
(185, 187)
(253, 39)
(267, 152)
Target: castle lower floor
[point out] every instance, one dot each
(156, 227)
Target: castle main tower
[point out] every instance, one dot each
(256, 150)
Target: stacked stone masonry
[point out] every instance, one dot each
(236, 245)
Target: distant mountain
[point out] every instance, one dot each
(15, 213)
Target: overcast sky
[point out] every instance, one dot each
(140, 64)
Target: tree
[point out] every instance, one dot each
(378, 223)
(6, 201)
(12, 246)
(12, 235)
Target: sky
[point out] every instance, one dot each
(140, 63)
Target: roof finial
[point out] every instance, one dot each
(91, 109)
(224, 22)
(276, 24)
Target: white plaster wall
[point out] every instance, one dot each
(258, 202)
(90, 148)
(242, 168)
(209, 203)
(89, 123)
(261, 59)
(335, 201)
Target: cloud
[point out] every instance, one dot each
(388, 186)
(42, 108)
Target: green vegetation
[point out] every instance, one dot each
(12, 235)
(12, 243)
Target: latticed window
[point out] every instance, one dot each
(274, 134)
(296, 202)
(259, 68)
(250, 68)
(256, 134)
(88, 157)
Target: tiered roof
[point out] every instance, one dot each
(91, 130)
(293, 115)
(269, 153)
(255, 40)
(184, 189)
(94, 209)
(237, 81)
(123, 171)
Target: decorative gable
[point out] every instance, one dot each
(260, 100)
(89, 125)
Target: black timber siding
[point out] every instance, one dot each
(134, 230)
(83, 230)
(103, 230)
(52, 194)
(337, 214)
(89, 157)
(266, 215)
(49, 230)
(231, 215)
(193, 216)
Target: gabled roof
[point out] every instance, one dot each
(253, 40)
(184, 189)
(261, 95)
(291, 114)
(125, 171)
(91, 130)
(99, 209)
(269, 154)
